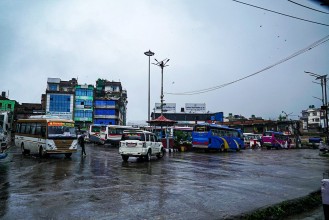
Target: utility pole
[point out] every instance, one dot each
(324, 106)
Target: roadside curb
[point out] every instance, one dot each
(285, 209)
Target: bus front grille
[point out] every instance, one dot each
(63, 144)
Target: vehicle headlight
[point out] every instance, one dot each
(51, 145)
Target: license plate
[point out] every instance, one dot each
(131, 145)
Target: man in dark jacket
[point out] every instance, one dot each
(81, 141)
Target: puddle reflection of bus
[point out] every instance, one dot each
(274, 139)
(216, 137)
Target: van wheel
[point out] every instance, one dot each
(160, 155)
(148, 156)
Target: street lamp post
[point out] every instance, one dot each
(149, 54)
(162, 64)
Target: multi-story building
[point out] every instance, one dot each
(25, 110)
(83, 107)
(110, 103)
(60, 97)
(7, 112)
(313, 119)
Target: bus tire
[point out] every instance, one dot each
(68, 155)
(125, 158)
(41, 152)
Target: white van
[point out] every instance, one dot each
(142, 144)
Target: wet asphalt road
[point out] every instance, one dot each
(181, 185)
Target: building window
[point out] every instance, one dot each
(52, 87)
(59, 103)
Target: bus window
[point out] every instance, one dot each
(23, 126)
(38, 129)
(33, 127)
(43, 131)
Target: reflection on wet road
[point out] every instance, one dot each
(188, 185)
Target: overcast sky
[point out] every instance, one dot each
(209, 43)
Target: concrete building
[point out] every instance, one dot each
(60, 97)
(25, 110)
(83, 105)
(313, 119)
(110, 103)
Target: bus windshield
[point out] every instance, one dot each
(61, 129)
(97, 128)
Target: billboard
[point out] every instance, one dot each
(195, 107)
(167, 107)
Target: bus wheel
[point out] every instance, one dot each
(41, 152)
(125, 158)
(68, 155)
(23, 149)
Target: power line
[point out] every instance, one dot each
(308, 7)
(313, 45)
(314, 22)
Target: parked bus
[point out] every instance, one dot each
(96, 129)
(216, 137)
(113, 133)
(252, 140)
(46, 136)
(274, 139)
(95, 132)
(5, 129)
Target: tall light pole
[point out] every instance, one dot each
(162, 64)
(149, 54)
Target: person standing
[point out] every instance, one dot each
(81, 141)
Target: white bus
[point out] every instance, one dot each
(5, 129)
(252, 140)
(113, 133)
(46, 136)
(96, 129)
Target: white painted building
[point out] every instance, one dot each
(313, 118)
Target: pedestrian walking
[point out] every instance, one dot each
(81, 141)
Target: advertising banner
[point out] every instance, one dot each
(167, 107)
(195, 107)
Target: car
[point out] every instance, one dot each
(141, 144)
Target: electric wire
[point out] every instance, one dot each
(314, 22)
(308, 7)
(313, 45)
